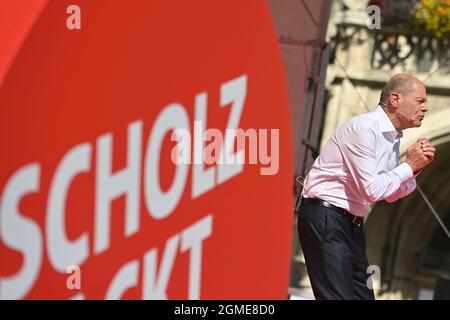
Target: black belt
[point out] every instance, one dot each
(314, 201)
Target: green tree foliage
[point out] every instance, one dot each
(433, 16)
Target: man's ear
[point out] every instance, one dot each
(394, 99)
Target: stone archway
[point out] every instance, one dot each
(398, 233)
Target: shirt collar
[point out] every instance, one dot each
(385, 124)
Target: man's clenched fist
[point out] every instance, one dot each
(420, 154)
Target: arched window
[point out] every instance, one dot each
(436, 256)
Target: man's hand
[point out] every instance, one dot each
(420, 155)
(428, 149)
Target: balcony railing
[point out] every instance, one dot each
(392, 46)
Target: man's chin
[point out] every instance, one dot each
(415, 124)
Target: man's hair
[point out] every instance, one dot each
(399, 83)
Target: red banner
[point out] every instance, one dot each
(92, 204)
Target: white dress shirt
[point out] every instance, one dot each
(360, 165)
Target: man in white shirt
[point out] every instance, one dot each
(359, 165)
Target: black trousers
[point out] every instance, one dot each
(334, 250)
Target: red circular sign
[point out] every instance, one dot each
(93, 205)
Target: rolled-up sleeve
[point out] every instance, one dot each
(358, 150)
